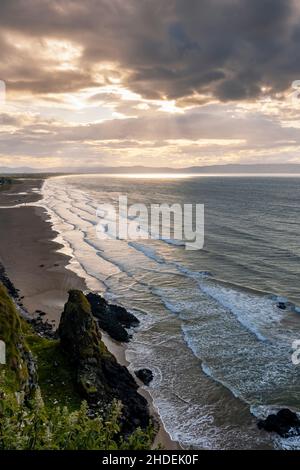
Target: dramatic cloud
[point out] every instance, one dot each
(229, 48)
(121, 79)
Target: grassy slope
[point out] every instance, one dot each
(54, 373)
(28, 426)
(55, 376)
(12, 332)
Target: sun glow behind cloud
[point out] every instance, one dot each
(142, 83)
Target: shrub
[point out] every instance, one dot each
(34, 427)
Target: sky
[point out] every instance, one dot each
(172, 83)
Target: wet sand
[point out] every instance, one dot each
(31, 258)
(36, 267)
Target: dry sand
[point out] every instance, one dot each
(34, 265)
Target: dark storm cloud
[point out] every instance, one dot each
(171, 48)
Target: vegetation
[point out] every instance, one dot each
(56, 377)
(12, 329)
(36, 428)
(52, 416)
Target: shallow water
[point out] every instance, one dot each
(211, 331)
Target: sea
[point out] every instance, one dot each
(210, 327)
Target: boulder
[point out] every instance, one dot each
(42, 327)
(112, 318)
(145, 375)
(281, 305)
(285, 423)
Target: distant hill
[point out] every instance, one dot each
(17, 170)
(274, 168)
(288, 168)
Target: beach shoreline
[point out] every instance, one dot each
(35, 264)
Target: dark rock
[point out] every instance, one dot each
(285, 423)
(5, 181)
(112, 318)
(13, 292)
(42, 327)
(126, 319)
(40, 313)
(145, 375)
(281, 305)
(100, 379)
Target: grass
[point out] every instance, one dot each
(12, 333)
(55, 417)
(55, 376)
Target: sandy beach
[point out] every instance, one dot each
(30, 256)
(39, 271)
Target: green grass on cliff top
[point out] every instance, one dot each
(12, 330)
(56, 376)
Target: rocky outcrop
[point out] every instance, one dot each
(13, 292)
(42, 326)
(5, 181)
(145, 375)
(285, 423)
(100, 379)
(112, 318)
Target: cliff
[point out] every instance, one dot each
(100, 379)
(68, 393)
(20, 367)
